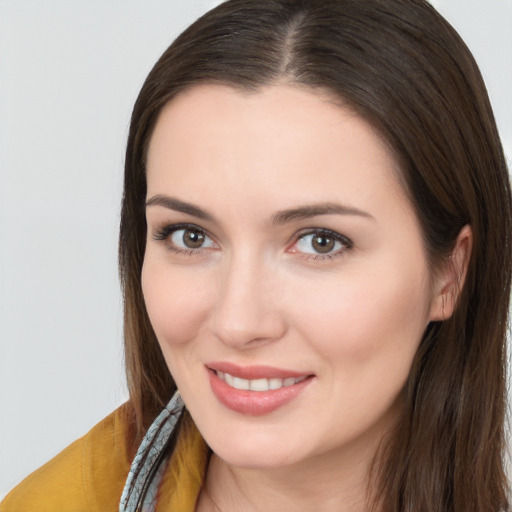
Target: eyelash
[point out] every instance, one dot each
(345, 242)
(163, 233)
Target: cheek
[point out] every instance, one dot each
(366, 332)
(177, 304)
(367, 317)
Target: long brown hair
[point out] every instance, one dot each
(402, 67)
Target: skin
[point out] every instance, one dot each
(256, 292)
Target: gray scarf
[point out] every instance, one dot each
(146, 472)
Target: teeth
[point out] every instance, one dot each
(257, 384)
(275, 383)
(241, 383)
(228, 379)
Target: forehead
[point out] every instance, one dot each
(282, 140)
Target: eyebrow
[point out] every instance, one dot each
(280, 217)
(179, 206)
(306, 211)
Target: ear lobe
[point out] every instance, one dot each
(451, 280)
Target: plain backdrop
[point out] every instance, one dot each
(69, 74)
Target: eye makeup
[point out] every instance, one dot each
(320, 244)
(310, 244)
(184, 238)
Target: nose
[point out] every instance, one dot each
(246, 313)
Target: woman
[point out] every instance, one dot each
(315, 250)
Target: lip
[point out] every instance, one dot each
(255, 403)
(254, 371)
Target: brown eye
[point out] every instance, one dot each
(193, 239)
(185, 238)
(322, 244)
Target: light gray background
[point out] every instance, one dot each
(69, 74)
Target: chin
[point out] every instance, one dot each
(257, 449)
(260, 459)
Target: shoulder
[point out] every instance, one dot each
(88, 475)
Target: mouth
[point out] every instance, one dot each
(255, 390)
(258, 385)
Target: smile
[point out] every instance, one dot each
(256, 390)
(257, 384)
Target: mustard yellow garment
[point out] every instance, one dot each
(89, 475)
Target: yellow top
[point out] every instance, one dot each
(91, 472)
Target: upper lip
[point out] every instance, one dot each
(254, 371)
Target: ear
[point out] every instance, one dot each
(450, 281)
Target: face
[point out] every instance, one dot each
(285, 275)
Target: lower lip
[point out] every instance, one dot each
(254, 403)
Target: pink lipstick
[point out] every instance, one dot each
(255, 390)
